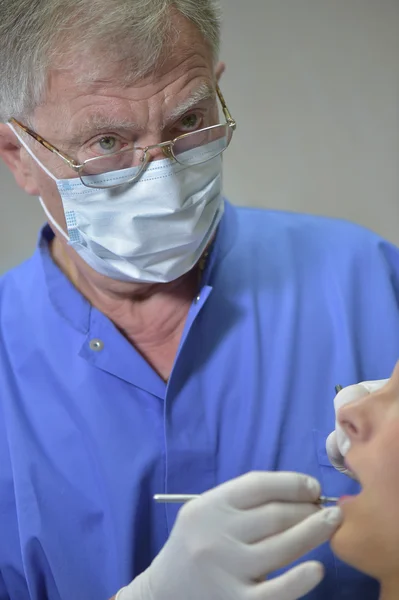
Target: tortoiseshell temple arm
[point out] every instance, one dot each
(72, 163)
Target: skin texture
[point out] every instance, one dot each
(152, 317)
(369, 536)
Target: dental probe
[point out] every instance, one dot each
(183, 498)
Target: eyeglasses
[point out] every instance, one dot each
(188, 149)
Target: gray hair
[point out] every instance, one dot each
(35, 34)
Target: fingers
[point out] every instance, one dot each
(378, 384)
(282, 549)
(332, 448)
(259, 487)
(294, 584)
(270, 519)
(335, 456)
(350, 394)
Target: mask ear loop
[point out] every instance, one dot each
(52, 220)
(29, 151)
(45, 169)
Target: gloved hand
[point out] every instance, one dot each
(226, 541)
(338, 443)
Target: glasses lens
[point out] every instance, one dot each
(120, 167)
(200, 146)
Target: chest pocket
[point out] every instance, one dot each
(350, 583)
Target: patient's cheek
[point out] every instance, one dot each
(385, 466)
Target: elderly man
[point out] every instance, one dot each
(160, 340)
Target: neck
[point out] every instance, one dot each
(150, 316)
(390, 588)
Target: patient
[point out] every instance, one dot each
(369, 536)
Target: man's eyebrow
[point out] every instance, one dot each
(204, 92)
(98, 122)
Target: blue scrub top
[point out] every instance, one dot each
(290, 306)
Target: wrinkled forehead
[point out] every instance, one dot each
(77, 99)
(112, 75)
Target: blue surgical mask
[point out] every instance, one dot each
(154, 230)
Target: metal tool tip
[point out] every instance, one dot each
(328, 500)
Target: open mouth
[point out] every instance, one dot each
(345, 499)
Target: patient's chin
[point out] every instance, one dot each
(341, 544)
(355, 549)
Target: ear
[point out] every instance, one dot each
(219, 70)
(15, 157)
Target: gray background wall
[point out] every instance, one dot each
(314, 86)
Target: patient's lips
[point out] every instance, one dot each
(346, 499)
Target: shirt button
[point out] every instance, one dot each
(96, 345)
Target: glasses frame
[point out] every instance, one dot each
(166, 147)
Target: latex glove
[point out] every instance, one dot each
(338, 443)
(226, 541)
